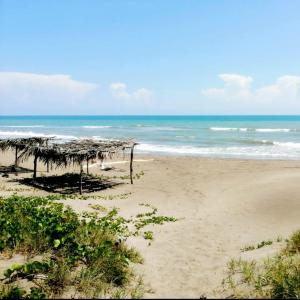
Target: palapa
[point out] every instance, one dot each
(74, 152)
(21, 144)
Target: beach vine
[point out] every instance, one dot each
(85, 253)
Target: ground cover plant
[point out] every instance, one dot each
(68, 255)
(86, 197)
(259, 245)
(122, 177)
(276, 277)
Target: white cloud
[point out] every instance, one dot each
(119, 90)
(40, 93)
(286, 88)
(235, 80)
(235, 86)
(142, 94)
(28, 85)
(238, 88)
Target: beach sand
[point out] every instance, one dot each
(222, 205)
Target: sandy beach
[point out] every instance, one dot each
(222, 205)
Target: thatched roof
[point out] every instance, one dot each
(64, 154)
(22, 143)
(75, 152)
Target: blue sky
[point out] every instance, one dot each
(149, 57)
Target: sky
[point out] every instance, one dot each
(149, 57)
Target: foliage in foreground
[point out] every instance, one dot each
(277, 277)
(84, 254)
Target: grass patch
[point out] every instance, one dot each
(122, 177)
(248, 248)
(98, 207)
(86, 197)
(148, 235)
(148, 218)
(259, 245)
(66, 251)
(276, 277)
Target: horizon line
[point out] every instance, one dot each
(148, 115)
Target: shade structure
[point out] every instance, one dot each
(19, 145)
(75, 152)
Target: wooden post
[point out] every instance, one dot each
(87, 166)
(16, 157)
(47, 161)
(131, 160)
(80, 181)
(35, 166)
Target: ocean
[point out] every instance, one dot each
(257, 137)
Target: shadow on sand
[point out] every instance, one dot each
(6, 170)
(69, 183)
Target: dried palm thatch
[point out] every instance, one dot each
(21, 144)
(76, 152)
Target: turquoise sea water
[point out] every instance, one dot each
(267, 137)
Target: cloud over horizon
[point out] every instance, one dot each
(119, 91)
(25, 85)
(28, 91)
(238, 95)
(31, 93)
(239, 87)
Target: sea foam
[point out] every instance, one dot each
(252, 129)
(267, 150)
(273, 130)
(8, 134)
(228, 129)
(96, 127)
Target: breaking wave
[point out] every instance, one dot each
(8, 134)
(265, 150)
(96, 127)
(252, 129)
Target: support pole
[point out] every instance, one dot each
(35, 166)
(47, 161)
(16, 157)
(80, 181)
(131, 160)
(87, 166)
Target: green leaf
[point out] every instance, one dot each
(56, 243)
(59, 228)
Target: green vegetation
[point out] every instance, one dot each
(148, 235)
(135, 177)
(248, 248)
(122, 177)
(14, 292)
(86, 197)
(276, 277)
(148, 218)
(98, 207)
(264, 243)
(85, 254)
(259, 245)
